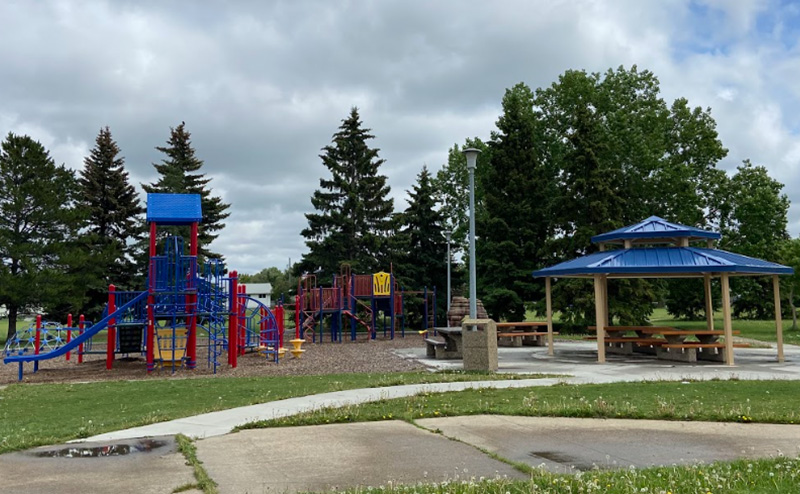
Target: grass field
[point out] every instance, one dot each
(33, 415)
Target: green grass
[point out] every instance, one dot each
(34, 415)
(723, 401)
(204, 481)
(779, 476)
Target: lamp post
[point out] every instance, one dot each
(472, 157)
(447, 234)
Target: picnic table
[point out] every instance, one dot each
(667, 342)
(449, 346)
(518, 333)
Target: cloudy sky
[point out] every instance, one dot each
(262, 85)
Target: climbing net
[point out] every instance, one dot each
(51, 336)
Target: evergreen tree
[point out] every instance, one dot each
(756, 228)
(423, 258)
(38, 226)
(177, 176)
(517, 224)
(451, 186)
(352, 222)
(114, 225)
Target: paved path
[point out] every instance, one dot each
(224, 421)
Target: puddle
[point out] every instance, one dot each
(140, 446)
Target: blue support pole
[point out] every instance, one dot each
(351, 299)
(391, 302)
(402, 313)
(374, 331)
(425, 310)
(434, 307)
(321, 328)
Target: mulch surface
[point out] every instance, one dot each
(361, 356)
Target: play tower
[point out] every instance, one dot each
(187, 306)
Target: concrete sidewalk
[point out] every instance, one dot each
(224, 421)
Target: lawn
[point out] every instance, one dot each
(33, 415)
(722, 401)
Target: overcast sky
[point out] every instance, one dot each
(263, 85)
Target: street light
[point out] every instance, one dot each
(472, 159)
(447, 234)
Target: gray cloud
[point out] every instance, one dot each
(262, 86)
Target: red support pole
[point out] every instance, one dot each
(69, 332)
(151, 301)
(233, 321)
(112, 329)
(279, 315)
(192, 309)
(81, 322)
(38, 341)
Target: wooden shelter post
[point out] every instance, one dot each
(606, 321)
(599, 317)
(549, 303)
(776, 288)
(726, 317)
(709, 302)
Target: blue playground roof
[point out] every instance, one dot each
(655, 228)
(640, 262)
(174, 209)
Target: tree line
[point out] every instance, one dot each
(65, 236)
(590, 153)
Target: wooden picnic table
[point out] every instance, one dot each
(450, 346)
(515, 334)
(667, 342)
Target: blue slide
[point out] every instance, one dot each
(73, 344)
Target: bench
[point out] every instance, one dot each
(693, 351)
(519, 338)
(447, 348)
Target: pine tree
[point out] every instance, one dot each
(38, 227)
(178, 177)
(352, 223)
(114, 225)
(512, 235)
(422, 260)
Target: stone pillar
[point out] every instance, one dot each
(480, 346)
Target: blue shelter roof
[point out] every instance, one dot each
(654, 228)
(174, 209)
(640, 262)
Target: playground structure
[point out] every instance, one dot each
(163, 322)
(362, 300)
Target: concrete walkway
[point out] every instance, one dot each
(222, 422)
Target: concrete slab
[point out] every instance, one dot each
(147, 467)
(578, 359)
(338, 456)
(566, 445)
